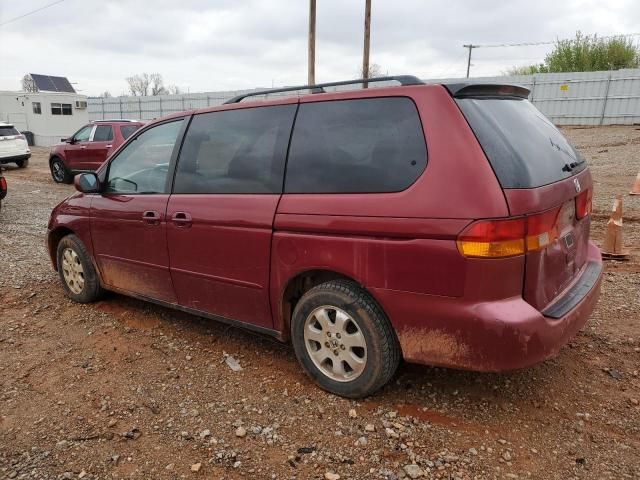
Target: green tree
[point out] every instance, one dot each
(586, 53)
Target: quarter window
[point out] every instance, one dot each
(37, 109)
(356, 146)
(61, 109)
(235, 151)
(142, 166)
(103, 133)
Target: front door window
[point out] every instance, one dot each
(142, 167)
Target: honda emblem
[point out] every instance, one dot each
(576, 183)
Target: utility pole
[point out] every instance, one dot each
(367, 38)
(470, 47)
(311, 80)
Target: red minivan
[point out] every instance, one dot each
(445, 224)
(88, 148)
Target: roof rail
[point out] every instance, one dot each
(319, 88)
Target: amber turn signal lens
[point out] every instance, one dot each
(509, 237)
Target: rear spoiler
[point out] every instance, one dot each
(462, 90)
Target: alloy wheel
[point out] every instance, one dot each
(58, 171)
(72, 271)
(335, 343)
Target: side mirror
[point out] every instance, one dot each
(87, 183)
(68, 140)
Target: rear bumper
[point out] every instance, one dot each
(487, 336)
(15, 158)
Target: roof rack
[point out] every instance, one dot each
(319, 88)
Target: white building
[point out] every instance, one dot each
(49, 115)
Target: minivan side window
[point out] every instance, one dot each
(235, 151)
(356, 146)
(142, 166)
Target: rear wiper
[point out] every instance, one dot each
(575, 164)
(568, 167)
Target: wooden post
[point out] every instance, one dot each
(312, 43)
(470, 47)
(367, 37)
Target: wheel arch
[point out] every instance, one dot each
(301, 283)
(53, 239)
(53, 156)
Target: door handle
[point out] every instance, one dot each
(82, 147)
(151, 217)
(182, 220)
(109, 146)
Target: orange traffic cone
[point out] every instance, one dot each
(612, 245)
(635, 190)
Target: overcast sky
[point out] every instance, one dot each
(211, 45)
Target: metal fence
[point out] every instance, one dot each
(582, 98)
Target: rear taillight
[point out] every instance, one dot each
(509, 237)
(3, 184)
(583, 204)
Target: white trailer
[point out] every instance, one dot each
(49, 115)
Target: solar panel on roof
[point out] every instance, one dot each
(50, 83)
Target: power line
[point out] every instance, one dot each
(531, 44)
(31, 12)
(452, 65)
(471, 46)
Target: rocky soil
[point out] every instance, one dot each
(124, 389)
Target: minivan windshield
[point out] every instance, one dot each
(524, 148)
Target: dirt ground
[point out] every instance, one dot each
(125, 389)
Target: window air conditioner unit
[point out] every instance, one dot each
(81, 104)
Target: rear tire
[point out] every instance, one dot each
(343, 339)
(79, 277)
(22, 163)
(59, 172)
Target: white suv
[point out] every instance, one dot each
(13, 146)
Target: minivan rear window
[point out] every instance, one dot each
(356, 146)
(524, 148)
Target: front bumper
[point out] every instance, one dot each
(487, 336)
(15, 158)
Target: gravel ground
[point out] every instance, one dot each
(125, 389)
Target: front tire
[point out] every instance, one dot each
(79, 277)
(59, 172)
(343, 339)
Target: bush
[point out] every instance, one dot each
(586, 54)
